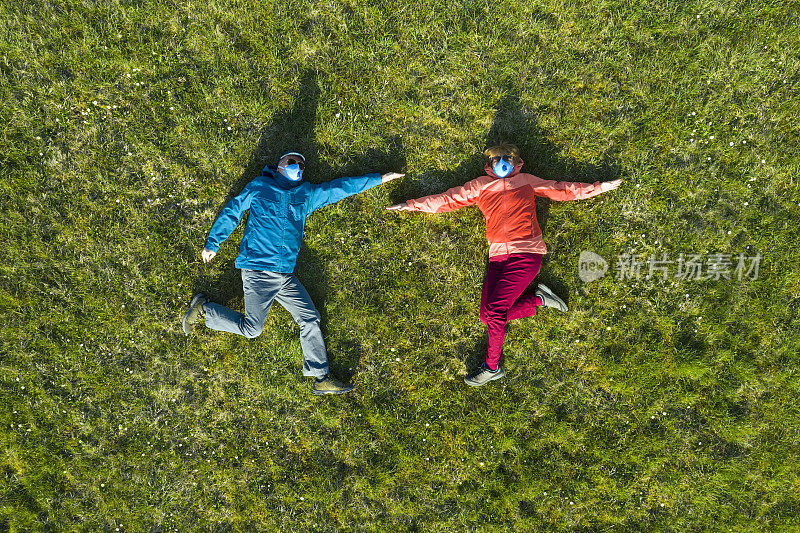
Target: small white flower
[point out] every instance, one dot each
(229, 128)
(119, 36)
(747, 203)
(338, 115)
(731, 143)
(664, 413)
(711, 137)
(744, 142)
(545, 494)
(481, 463)
(171, 108)
(763, 161)
(397, 359)
(340, 102)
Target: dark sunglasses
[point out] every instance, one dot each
(507, 158)
(293, 161)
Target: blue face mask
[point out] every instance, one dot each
(502, 168)
(293, 172)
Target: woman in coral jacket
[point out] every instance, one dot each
(506, 197)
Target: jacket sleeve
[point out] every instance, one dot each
(229, 218)
(449, 200)
(566, 190)
(332, 191)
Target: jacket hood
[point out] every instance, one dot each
(282, 181)
(490, 171)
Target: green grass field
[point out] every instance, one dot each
(652, 405)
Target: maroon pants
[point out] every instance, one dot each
(506, 279)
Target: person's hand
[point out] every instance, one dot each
(611, 185)
(389, 176)
(398, 207)
(208, 255)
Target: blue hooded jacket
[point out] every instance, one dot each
(278, 211)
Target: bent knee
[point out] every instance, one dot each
(308, 322)
(251, 331)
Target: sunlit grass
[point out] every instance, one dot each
(651, 405)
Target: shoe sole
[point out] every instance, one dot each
(562, 305)
(187, 328)
(496, 376)
(324, 392)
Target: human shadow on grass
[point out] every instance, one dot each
(293, 130)
(514, 124)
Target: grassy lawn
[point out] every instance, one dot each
(658, 404)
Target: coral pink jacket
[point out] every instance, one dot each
(508, 205)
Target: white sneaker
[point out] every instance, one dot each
(549, 297)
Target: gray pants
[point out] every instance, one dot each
(260, 289)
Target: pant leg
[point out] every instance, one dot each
(295, 299)
(518, 272)
(525, 306)
(260, 288)
(527, 303)
(493, 272)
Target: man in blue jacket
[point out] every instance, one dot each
(279, 202)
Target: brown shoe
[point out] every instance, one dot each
(331, 385)
(195, 312)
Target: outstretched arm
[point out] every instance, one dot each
(449, 200)
(571, 190)
(227, 220)
(335, 190)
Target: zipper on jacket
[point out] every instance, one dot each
(505, 215)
